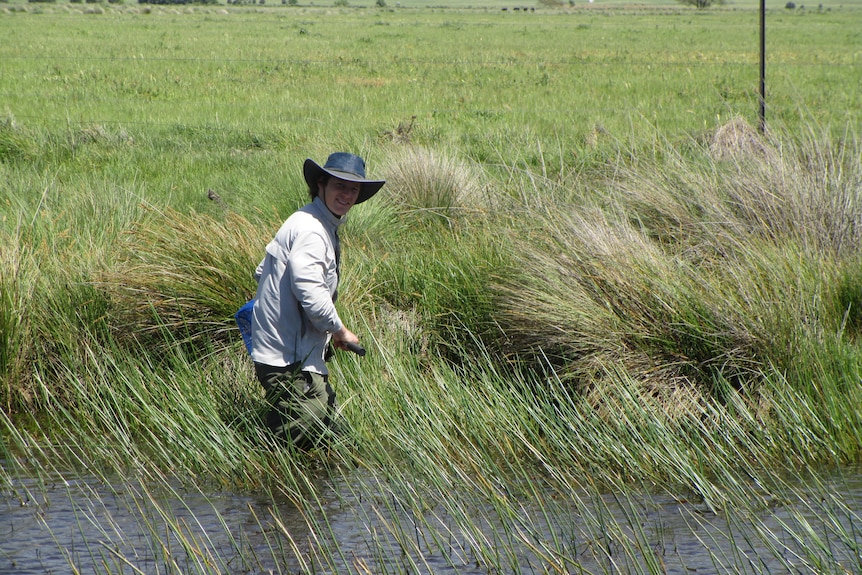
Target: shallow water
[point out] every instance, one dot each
(363, 526)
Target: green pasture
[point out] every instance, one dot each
(200, 96)
(590, 279)
(478, 78)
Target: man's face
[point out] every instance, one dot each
(339, 195)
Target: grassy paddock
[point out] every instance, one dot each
(588, 272)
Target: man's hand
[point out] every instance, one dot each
(346, 339)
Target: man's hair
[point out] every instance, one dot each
(312, 190)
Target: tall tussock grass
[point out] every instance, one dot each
(180, 277)
(422, 180)
(48, 305)
(17, 285)
(694, 268)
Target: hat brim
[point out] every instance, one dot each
(313, 172)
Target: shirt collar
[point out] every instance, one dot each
(323, 212)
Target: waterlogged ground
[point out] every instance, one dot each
(364, 526)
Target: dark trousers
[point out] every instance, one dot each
(301, 404)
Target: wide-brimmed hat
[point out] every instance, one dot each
(345, 166)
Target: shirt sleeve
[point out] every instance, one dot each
(307, 263)
(258, 272)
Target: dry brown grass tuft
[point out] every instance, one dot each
(418, 179)
(737, 139)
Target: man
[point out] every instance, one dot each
(294, 320)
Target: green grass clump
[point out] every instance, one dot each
(16, 296)
(15, 142)
(181, 277)
(684, 270)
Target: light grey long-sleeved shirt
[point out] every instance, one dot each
(295, 313)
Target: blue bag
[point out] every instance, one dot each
(243, 322)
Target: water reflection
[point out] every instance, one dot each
(365, 524)
(129, 526)
(585, 532)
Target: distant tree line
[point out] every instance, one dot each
(177, 1)
(139, 1)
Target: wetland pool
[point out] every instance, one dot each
(360, 524)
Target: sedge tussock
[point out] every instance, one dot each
(19, 306)
(688, 269)
(427, 180)
(184, 273)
